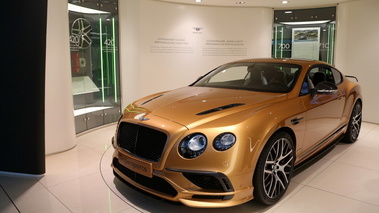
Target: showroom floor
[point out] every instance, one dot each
(81, 180)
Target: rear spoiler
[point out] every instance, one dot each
(350, 76)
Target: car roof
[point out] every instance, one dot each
(302, 62)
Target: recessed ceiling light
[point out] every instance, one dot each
(284, 2)
(197, 1)
(240, 2)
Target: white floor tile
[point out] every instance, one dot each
(366, 128)
(313, 200)
(70, 165)
(305, 176)
(6, 205)
(369, 140)
(28, 195)
(361, 156)
(337, 151)
(88, 194)
(349, 181)
(375, 130)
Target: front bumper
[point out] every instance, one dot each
(201, 189)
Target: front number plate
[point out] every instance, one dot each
(143, 168)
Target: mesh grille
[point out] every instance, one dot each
(141, 141)
(210, 181)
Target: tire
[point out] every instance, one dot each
(354, 125)
(274, 169)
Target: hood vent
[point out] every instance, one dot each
(220, 108)
(152, 99)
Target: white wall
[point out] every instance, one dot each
(59, 116)
(357, 48)
(162, 50)
(144, 71)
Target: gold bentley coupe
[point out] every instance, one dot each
(237, 133)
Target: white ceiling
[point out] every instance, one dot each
(293, 4)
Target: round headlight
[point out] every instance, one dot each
(193, 145)
(224, 141)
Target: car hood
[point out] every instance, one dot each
(193, 106)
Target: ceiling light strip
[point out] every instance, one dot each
(114, 60)
(276, 42)
(281, 49)
(305, 22)
(80, 9)
(332, 46)
(101, 60)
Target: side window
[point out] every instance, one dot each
(329, 75)
(320, 74)
(307, 86)
(337, 76)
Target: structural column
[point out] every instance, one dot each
(23, 45)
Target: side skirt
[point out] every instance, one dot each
(310, 161)
(326, 140)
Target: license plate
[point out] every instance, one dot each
(136, 165)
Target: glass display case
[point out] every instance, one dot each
(306, 34)
(94, 53)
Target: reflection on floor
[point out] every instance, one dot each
(81, 180)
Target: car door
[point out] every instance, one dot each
(323, 111)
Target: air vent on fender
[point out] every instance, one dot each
(152, 99)
(220, 108)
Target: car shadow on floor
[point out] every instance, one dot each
(145, 202)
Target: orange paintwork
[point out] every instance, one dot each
(263, 114)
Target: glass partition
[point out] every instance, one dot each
(307, 34)
(94, 53)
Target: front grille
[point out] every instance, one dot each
(141, 141)
(155, 183)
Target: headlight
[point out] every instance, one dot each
(224, 141)
(193, 145)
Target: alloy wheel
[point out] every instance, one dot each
(356, 121)
(278, 168)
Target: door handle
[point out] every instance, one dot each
(296, 120)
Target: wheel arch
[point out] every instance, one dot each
(360, 102)
(286, 129)
(290, 132)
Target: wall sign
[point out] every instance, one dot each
(221, 47)
(306, 43)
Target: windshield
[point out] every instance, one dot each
(263, 77)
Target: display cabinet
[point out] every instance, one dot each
(94, 53)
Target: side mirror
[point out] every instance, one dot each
(324, 88)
